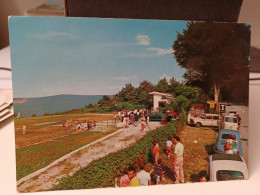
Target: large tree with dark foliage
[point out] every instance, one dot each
(216, 56)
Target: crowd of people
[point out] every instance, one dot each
(132, 117)
(152, 174)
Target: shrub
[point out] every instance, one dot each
(102, 173)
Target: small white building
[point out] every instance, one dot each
(160, 99)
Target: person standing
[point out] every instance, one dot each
(158, 171)
(178, 160)
(155, 150)
(119, 116)
(24, 129)
(115, 118)
(168, 146)
(239, 120)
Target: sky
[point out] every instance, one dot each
(90, 56)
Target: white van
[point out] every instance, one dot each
(230, 122)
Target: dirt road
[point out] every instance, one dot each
(46, 178)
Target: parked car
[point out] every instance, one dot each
(223, 167)
(232, 112)
(226, 135)
(211, 120)
(159, 117)
(230, 122)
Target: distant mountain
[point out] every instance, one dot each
(52, 104)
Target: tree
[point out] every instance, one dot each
(127, 93)
(142, 94)
(185, 98)
(34, 115)
(162, 86)
(212, 52)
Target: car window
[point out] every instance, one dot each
(224, 175)
(228, 136)
(209, 117)
(203, 116)
(215, 117)
(231, 120)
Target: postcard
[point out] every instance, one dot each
(105, 103)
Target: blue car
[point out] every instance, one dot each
(229, 142)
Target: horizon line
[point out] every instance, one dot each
(64, 94)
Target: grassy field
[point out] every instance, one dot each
(36, 131)
(32, 158)
(36, 156)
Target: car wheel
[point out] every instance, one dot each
(198, 125)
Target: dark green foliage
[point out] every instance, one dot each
(213, 53)
(162, 86)
(34, 115)
(101, 173)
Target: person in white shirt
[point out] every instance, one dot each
(178, 160)
(143, 176)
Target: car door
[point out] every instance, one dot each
(208, 120)
(215, 121)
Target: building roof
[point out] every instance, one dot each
(168, 95)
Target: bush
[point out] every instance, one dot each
(102, 173)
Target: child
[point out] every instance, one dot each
(158, 170)
(168, 145)
(156, 150)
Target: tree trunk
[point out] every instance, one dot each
(216, 91)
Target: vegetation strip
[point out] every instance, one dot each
(101, 173)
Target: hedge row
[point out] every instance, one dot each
(101, 173)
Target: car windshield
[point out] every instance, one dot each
(203, 116)
(228, 136)
(224, 175)
(231, 120)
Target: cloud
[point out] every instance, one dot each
(122, 78)
(143, 40)
(164, 75)
(160, 51)
(57, 35)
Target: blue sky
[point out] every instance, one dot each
(89, 56)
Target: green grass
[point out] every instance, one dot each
(35, 157)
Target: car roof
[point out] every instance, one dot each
(230, 162)
(211, 114)
(232, 157)
(231, 116)
(227, 131)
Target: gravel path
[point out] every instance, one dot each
(49, 176)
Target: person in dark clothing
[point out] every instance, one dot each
(158, 170)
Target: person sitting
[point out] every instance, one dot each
(143, 176)
(124, 180)
(134, 181)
